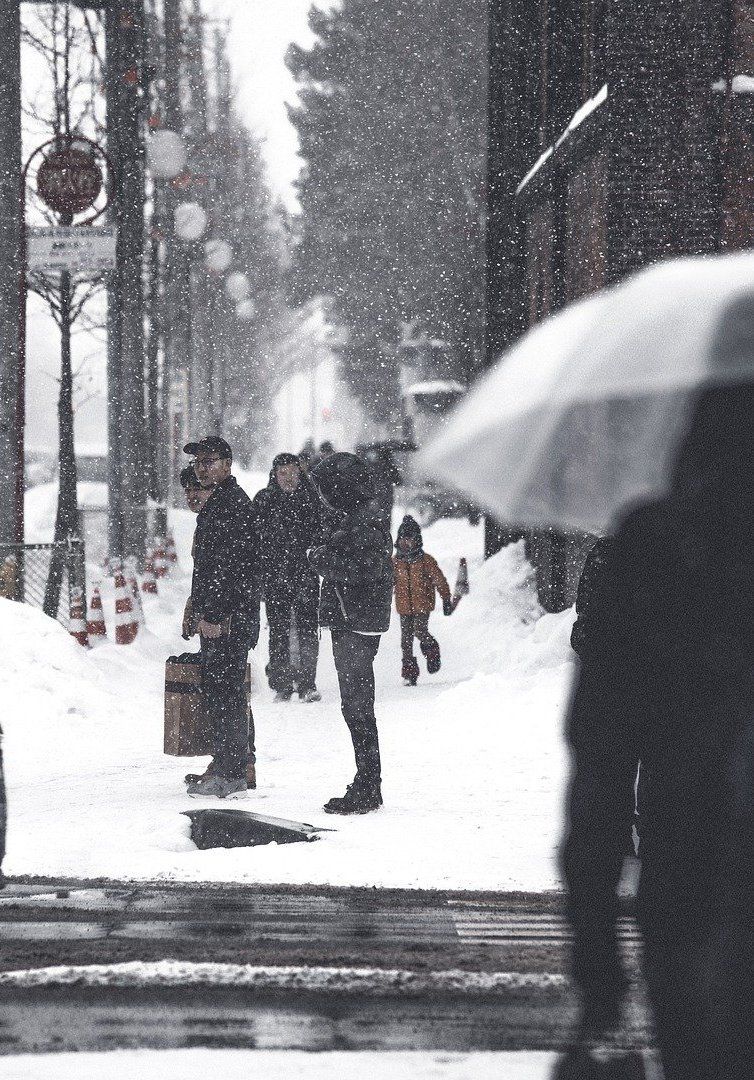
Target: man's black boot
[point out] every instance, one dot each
(359, 798)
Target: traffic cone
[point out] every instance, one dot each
(160, 562)
(78, 617)
(171, 552)
(126, 626)
(149, 581)
(95, 625)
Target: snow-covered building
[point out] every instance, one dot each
(620, 134)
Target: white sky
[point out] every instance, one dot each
(261, 33)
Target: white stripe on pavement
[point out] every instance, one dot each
(328, 979)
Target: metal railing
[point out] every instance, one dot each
(43, 575)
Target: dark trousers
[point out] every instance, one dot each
(293, 612)
(354, 659)
(703, 1005)
(3, 811)
(224, 662)
(415, 626)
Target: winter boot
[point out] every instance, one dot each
(360, 798)
(585, 1064)
(432, 656)
(193, 778)
(310, 695)
(410, 672)
(217, 787)
(283, 695)
(251, 776)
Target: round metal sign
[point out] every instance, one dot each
(69, 180)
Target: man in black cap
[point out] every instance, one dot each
(355, 563)
(287, 514)
(225, 591)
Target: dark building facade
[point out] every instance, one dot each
(621, 133)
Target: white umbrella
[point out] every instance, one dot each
(584, 416)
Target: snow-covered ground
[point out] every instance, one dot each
(473, 758)
(278, 1065)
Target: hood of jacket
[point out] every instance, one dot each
(344, 482)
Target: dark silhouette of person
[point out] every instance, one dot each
(666, 685)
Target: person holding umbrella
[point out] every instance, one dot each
(666, 680)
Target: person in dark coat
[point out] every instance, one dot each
(225, 597)
(355, 564)
(666, 685)
(287, 515)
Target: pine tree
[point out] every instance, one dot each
(392, 132)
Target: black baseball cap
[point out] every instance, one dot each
(210, 444)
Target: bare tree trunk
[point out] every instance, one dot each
(67, 518)
(154, 397)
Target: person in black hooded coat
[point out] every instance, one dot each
(287, 515)
(666, 683)
(355, 563)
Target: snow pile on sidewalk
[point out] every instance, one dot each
(473, 758)
(279, 1065)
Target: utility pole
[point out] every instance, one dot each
(175, 316)
(11, 386)
(125, 45)
(199, 314)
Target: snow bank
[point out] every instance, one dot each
(279, 1065)
(473, 760)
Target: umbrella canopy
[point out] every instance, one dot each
(585, 415)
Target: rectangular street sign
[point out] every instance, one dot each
(71, 247)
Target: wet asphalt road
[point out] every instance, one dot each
(44, 924)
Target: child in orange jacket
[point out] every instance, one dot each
(417, 576)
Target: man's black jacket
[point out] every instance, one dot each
(355, 560)
(286, 525)
(226, 577)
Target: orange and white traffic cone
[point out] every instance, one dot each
(95, 624)
(160, 561)
(126, 626)
(171, 552)
(149, 581)
(78, 617)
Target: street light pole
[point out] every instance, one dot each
(11, 269)
(176, 340)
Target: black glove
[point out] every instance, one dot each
(447, 607)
